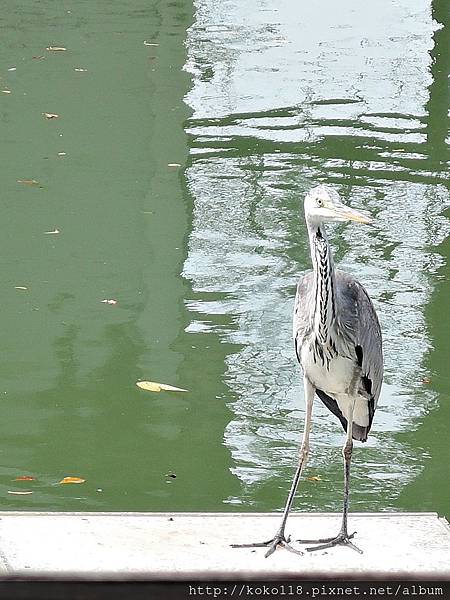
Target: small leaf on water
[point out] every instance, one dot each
(13, 69)
(20, 287)
(150, 43)
(72, 480)
(152, 386)
(109, 301)
(50, 115)
(52, 232)
(24, 478)
(79, 70)
(173, 165)
(62, 154)
(20, 492)
(28, 181)
(39, 57)
(314, 478)
(56, 48)
(6, 91)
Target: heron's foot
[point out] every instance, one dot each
(279, 541)
(342, 539)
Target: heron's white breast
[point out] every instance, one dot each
(333, 377)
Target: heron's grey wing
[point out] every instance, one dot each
(303, 305)
(359, 323)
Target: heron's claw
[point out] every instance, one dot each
(342, 539)
(278, 541)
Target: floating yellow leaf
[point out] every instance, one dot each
(149, 386)
(72, 480)
(24, 478)
(152, 386)
(314, 478)
(28, 181)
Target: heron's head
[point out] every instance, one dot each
(323, 204)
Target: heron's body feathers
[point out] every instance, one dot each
(347, 367)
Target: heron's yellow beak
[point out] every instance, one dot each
(354, 215)
(345, 213)
(339, 212)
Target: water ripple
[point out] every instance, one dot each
(279, 105)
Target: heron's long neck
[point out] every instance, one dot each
(324, 286)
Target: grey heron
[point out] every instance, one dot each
(338, 344)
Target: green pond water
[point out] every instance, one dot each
(170, 183)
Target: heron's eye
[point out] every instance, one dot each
(319, 202)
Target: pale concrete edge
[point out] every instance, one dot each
(11, 574)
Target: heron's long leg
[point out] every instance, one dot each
(303, 452)
(280, 538)
(342, 538)
(347, 455)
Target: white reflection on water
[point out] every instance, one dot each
(333, 96)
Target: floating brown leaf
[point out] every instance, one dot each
(314, 478)
(24, 478)
(50, 115)
(72, 480)
(152, 386)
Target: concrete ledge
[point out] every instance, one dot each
(196, 546)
